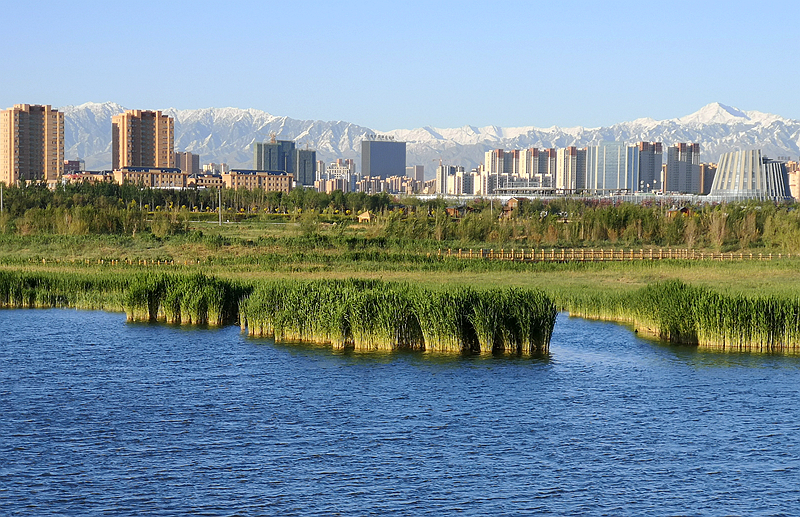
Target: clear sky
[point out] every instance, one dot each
(406, 64)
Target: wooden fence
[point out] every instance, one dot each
(601, 255)
(514, 254)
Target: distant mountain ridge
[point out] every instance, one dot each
(227, 134)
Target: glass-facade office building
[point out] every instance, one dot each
(274, 156)
(383, 158)
(612, 167)
(305, 167)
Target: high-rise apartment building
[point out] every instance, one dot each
(187, 162)
(142, 139)
(683, 168)
(571, 169)
(548, 167)
(528, 163)
(383, 158)
(707, 173)
(31, 144)
(443, 174)
(651, 158)
(494, 162)
(342, 172)
(461, 182)
(511, 164)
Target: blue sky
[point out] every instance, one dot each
(390, 65)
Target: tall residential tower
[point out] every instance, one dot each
(651, 158)
(142, 139)
(683, 168)
(31, 144)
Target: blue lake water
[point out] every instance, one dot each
(100, 417)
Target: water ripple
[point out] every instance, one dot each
(102, 417)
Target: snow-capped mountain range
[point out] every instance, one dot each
(227, 134)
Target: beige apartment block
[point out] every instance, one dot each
(31, 144)
(187, 162)
(253, 180)
(75, 178)
(205, 181)
(142, 139)
(152, 177)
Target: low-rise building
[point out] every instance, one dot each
(328, 186)
(748, 174)
(153, 177)
(270, 181)
(72, 166)
(74, 178)
(208, 180)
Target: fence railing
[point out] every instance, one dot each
(512, 254)
(601, 255)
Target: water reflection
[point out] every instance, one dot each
(614, 342)
(402, 355)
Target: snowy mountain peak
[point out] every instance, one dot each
(227, 134)
(715, 113)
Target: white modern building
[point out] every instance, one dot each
(612, 167)
(748, 175)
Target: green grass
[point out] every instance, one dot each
(47, 270)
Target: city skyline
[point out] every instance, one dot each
(226, 135)
(446, 64)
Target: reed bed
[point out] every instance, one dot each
(187, 299)
(680, 313)
(192, 299)
(370, 314)
(26, 289)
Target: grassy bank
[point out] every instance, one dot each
(93, 272)
(729, 306)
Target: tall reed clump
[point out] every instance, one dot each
(445, 319)
(194, 299)
(739, 323)
(26, 289)
(680, 313)
(383, 315)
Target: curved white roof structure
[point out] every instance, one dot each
(747, 175)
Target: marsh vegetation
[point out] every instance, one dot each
(114, 248)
